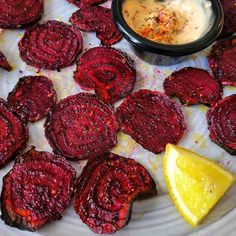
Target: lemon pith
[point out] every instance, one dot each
(195, 183)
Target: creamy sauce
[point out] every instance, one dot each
(170, 21)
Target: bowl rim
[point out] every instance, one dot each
(167, 49)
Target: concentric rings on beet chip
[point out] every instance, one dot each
(52, 45)
(32, 98)
(98, 19)
(86, 3)
(13, 134)
(106, 190)
(193, 86)
(4, 64)
(110, 72)
(152, 119)
(81, 127)
(37, 190)
(222, 123)
(222, 61)
(20, 13)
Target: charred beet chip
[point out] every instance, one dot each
(86, 3)
(193, 86)
(108, 71)
(37, 190)
(229, 7)
(222, 123)
(223, 61)
(106, 190)
(152, 119)
(32, 97)
(19, 13)
(4, 63)
(81, 126)
(52, 45)
(13, 134)
(97, 19)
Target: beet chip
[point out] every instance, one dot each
(37, 190)
(32, 97)
(229, 7)
(152, 119)
(90, 19)
(108, 71)
(222, 123)
(106, 190)
(4, 63)
(81, 126)
(20, 13)
(13, 134)
(223, 61)
(193, 86)
(52, 45)
(98, 19)
(86, 3)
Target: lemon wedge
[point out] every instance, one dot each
(195, 183)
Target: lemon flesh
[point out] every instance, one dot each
(195, 183)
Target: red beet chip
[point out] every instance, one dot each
(90, 18)
(222, 61)
(86, 3)
(13, 134)
(109, 37)
(222, 123)
(106, 190)
(193, 86)
(229, 7)
(4, 63)
(52, 45)
(37, 190)
(32, 98)
(99, 19)
(152, 119)
(108, 71)
(81, 126)
(20, 13)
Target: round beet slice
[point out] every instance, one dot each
(98, 19)
(19, 13)
(108, 71)
(81, 126)
(222, 61)
(4, 63)
(13, 134)
(32, 98)
(52, 45)
(106, 190)
(193, 86)
(86, 3)
(229, 7)
(222, 123)
(90, 18)
(152, 119)
(108, 37)
(37, 190)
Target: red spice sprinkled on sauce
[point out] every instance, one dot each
(168, 22)
(162, 25)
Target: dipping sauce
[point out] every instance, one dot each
(168, 21)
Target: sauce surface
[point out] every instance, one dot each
(169, 21)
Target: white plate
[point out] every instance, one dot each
(152, 217)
